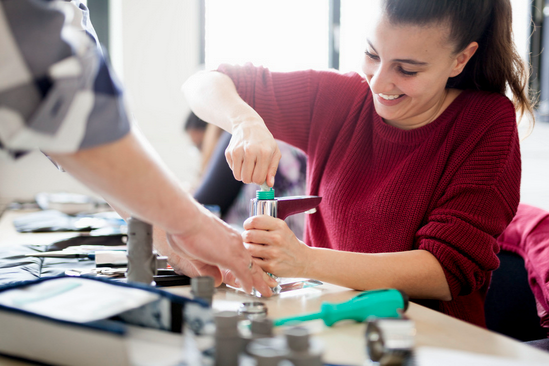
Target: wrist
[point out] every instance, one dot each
(243, 116)
(310, 256)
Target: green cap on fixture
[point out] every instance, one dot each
(265, 195)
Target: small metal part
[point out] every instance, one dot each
(141, 259)
(253, 310)
(268, 351)
(264, 207)
(203, 287)
(161, 261)
(304, 351)
(262, 328)
(390, 342)
(228, 343)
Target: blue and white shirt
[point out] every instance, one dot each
(57, 93)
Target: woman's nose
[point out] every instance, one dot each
(381, 80)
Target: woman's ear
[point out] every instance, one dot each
(463, 57)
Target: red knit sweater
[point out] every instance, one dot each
(449, 187)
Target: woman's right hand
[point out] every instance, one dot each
(253, 153)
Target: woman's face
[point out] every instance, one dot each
(407, 68)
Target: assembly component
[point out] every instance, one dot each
(297, 339)
(292, 205)
(226, 323)
(265, 194)
(253, 310)
(141, 258)
(228, 343)
(161, 261)
(268, 351)
(262, 328)
(383, 303)
(390, 341)
(203, 287)
(111, 258)
(264, 207)
(304, 351)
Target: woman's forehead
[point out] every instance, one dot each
(430, 38)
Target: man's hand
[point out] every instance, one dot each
(213, 243)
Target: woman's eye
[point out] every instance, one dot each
(371, 56)
(405, 72)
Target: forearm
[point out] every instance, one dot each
(213, 97)
(417, 272)
(130, 176)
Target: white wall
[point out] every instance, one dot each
(157, 48)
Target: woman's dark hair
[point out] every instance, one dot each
(496, 64)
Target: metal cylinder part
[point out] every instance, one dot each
(141, 258)
(203, 287)
(264, 207)
(228, 343)
(253, 310)
(268, 351)
(304, 351)
(390, 341)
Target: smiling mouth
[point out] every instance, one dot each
(390, 96)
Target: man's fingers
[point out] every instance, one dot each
(229, 278)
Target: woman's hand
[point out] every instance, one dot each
(275, 248)
(253, 153)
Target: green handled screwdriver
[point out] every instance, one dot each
(384, 303)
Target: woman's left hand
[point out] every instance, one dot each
(275, 247)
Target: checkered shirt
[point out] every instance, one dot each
(57, 93)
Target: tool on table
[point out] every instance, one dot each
(385, 303)
(265, 203)
(74, 254)
(62, 254)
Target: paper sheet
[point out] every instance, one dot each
(76, 299)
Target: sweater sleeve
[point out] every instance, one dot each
(478, 203)
(284, 100)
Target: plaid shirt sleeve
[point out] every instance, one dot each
(57, 93)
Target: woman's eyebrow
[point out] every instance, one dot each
(403, 60)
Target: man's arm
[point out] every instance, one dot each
(130, 175)
(58, 94)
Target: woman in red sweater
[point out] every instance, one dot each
(417, 161)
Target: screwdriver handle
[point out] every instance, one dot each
(384, 303)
